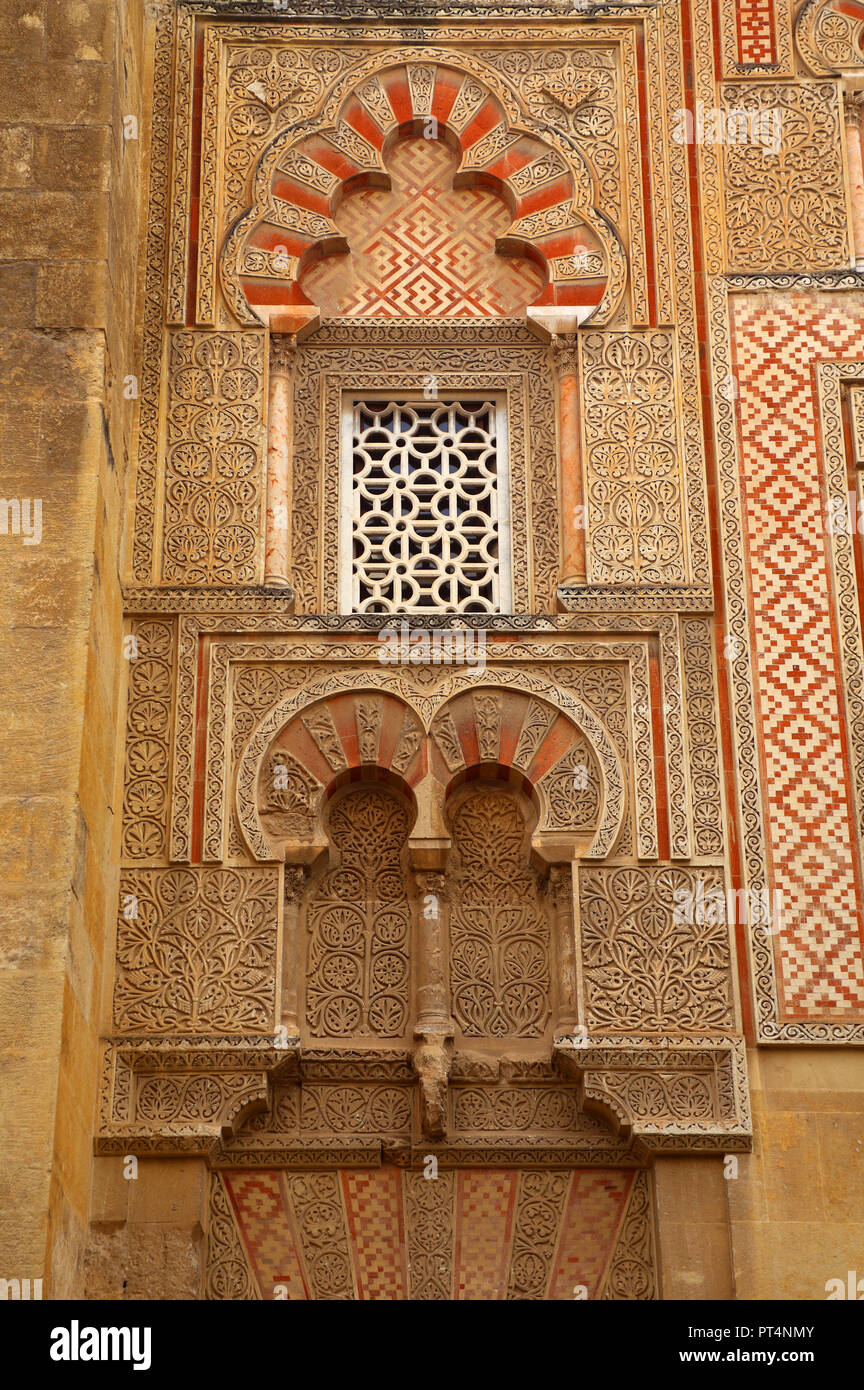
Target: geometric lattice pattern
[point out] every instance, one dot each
(755, 20)
(426, 508)
(809, 806)
(469, 1234)
(423, 248)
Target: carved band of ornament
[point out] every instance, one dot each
(367, 714)
(269, 264)
(490, 147)
(321, 728)
(291, 218)
(539, 719)
(447, 739)
(856, 398)
(586, 265)
(410, 742)
(561, 216)
(539, 172)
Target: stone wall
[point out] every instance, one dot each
(70, 188)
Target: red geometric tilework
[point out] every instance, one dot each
(809, 812)
(422, 248)
(267, 1232)
(590, 1225)
(373, 1201)
(484, 1230)
(482, 1239)
(756, 31)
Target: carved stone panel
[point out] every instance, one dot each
(214, 458)
(196, 950)
(655, 950)
(784, 187)
(499, 931)
(358, 918)
(634, 486)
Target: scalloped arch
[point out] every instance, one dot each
(304, 171)
(326, 733)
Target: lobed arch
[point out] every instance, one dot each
(538, 170)
(542, 740)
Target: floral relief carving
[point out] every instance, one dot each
(229, 1278)
(632, 1271)
(540, 1206)
(573, 790)
(196, 950)
(786, 205)
(213, 463)
(499, 933)
(359, 924)
(288, 795)
(148, 740)
(634, 486)
(646, 967)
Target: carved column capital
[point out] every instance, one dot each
(283, 356)
(853, 108)
(565, 355)
(296, 878)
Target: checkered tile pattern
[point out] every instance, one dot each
(267, 1232)
(373, 1202)
(756, 42)
(485, 1203)
(809, 811)
(591, 1221)
(423, 248)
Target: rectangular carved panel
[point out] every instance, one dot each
(655, 950)
(634, 487)
(785, 198)
(146, 784)
(196, 950)
(214, 458)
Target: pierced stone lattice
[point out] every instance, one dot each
(428, 508)
(499, 932)
(359, 924)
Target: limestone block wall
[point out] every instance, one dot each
(70, 186)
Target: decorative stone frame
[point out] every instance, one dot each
(241, 265)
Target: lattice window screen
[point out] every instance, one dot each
(425, 506)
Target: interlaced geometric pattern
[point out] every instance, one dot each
(423, 248)
(809, 808)
(428, 497)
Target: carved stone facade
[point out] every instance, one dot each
(491, 753)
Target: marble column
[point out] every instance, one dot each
(566, 358)
(277, 556)
(853, 109)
